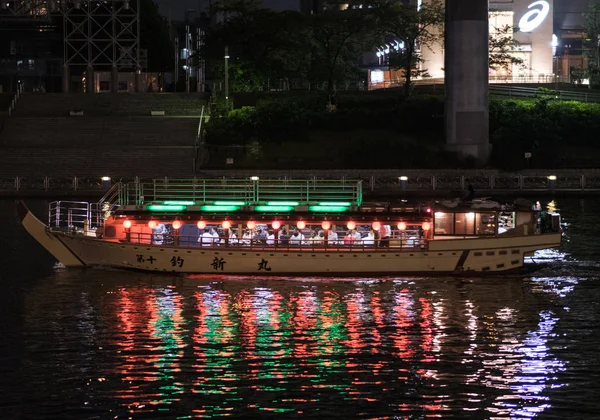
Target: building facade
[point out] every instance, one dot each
(550, 38)
(533, 24)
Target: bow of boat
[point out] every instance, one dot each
(45, 237)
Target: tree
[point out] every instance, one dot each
(263, 44)
(338, 39)
(154, 36)
(418, 28)
(502, 46)
(592, 42)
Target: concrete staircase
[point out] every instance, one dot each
(116, 163)
(99, 132)
(115, 136)
(109, 104)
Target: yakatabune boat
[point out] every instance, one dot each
(287, 227)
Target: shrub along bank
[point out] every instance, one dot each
(383, 130)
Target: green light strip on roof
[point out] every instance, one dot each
(219, 209)
(337, 204)
(229, 203)
(160, 207)
(179, 203)
(328, 209)
(274, 209)
(282, 203)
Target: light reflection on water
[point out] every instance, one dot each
(114, 344)
(206, 348)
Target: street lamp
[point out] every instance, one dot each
(227, 77)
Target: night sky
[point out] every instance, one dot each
(177, 8)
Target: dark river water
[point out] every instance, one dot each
(78, 344)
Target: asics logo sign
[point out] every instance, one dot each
(534, 18)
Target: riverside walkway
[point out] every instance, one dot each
(376, 183)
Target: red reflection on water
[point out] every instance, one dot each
(378, 316)
(275, 307)
(304, 322)
(199, 336)
(427, 331)
(134, 332)
(248, 329)
(150, 345)
(354, 324)
(403, 322)
(329, 318)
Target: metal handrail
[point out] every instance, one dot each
(207, 191)
(484, 182)
(198, 143)
(188, 241)
(69, 214)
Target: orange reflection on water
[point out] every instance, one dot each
(426, 330)
(248, 328)
(134, 331)
(354, 324)
(378, 318)
(304, 322)
(403, 321)
(330, 323)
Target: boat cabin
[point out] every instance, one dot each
(302, 214)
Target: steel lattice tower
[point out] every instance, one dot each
(97, 35)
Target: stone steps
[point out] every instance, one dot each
(104, 132)
(129, 162)
(119, 105)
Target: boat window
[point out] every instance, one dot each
(506, 222)
(444, 223)
(464, 224)
(485, 224)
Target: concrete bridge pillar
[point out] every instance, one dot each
(138, 80)
(466, 67)
(66, 79)
(89, 79)
(114, 79)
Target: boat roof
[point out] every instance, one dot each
(304, 198)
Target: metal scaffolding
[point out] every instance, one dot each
(96, 34)
(101, 34)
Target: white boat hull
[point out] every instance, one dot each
(457, 256)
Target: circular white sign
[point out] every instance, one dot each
(535, 17)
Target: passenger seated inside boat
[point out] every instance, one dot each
(297, 238)
(207, 238)
(233, 239)
(369, 240)
(349, 238)
(284, 239)
(270, 238)
(333, 237)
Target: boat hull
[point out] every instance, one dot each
(456, 256)
(489, 255)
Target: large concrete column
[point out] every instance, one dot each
(114, 79)
(89, 79)
(66, 79)
(466, 66)
(138, 80)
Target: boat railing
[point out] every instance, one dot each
(249, 191)
(193, 241)
(70, 215)
(101, 210)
